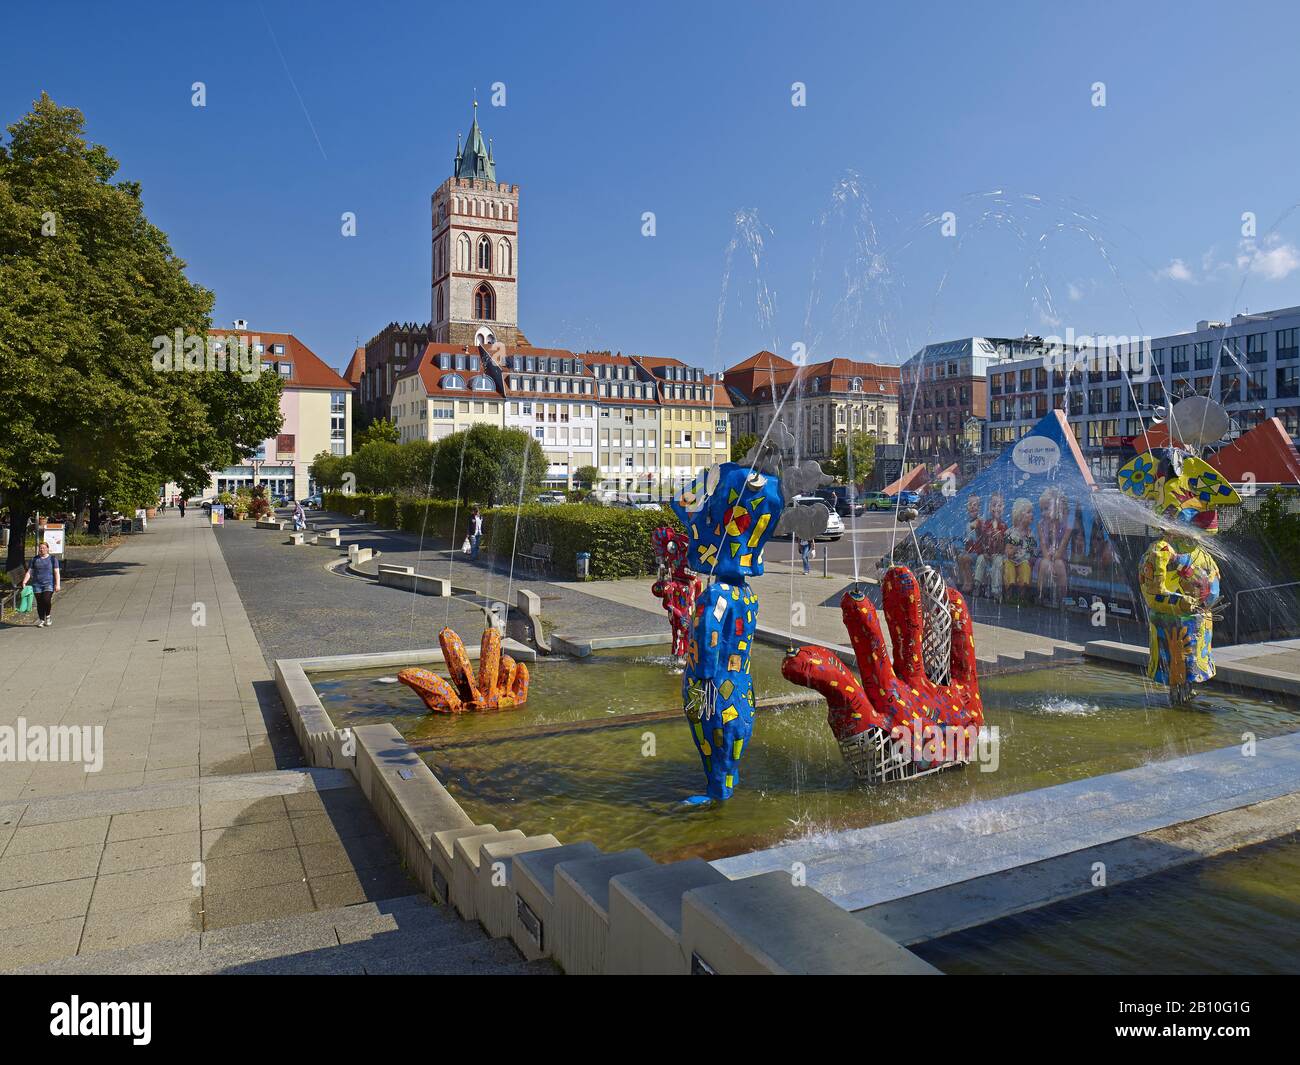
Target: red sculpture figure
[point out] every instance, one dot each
(933, 723)
(501, 684)
(676, 588)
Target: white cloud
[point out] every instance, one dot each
(1274, 262)
(1177, 270)
(1074, 292)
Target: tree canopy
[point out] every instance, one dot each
(853, 458)
(88, 287)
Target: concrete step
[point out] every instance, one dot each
(402, 935)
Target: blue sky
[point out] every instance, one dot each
(1117, 219)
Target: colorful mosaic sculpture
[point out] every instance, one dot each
(501, 683)
(730, 513)
(1178, 576)
(927, 724)
(676, 588)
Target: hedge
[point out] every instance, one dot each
(618, 539)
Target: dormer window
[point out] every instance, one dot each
(482, 383)
(285, 368)
(452, 380)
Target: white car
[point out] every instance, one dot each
(834, 523)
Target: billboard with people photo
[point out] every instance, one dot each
(1026, 530)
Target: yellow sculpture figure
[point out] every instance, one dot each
(1178, 576)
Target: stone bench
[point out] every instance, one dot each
(358, 554)
(269, 523)
(765, 924)
(407, 579)
(495, 899)
(298, 539)
(466, 854)
(332, 537)
(582, 909)
(533, 878)
(645, 917)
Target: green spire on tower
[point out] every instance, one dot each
(475, 159)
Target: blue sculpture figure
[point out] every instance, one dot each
(730, 513)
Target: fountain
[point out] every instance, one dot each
(676, 588)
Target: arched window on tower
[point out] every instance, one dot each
(440, 314)
(485, 303)
(485, 253)
(504, 264)
(462, 252)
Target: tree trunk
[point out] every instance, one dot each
(18, 515)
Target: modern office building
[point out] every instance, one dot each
(943, 396)
(1111, 392)
(317, 407)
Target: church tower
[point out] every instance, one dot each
(475, 249)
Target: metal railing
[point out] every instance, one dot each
(1236, 606)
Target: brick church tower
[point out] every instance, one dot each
(475, 249)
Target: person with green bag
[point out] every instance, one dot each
(44, 577)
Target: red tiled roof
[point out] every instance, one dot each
(431, 374)
(308, 369)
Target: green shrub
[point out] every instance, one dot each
(383, 512)
(617, 538)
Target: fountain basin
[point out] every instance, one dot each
(601, 751)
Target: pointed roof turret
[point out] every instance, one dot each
(475, 160)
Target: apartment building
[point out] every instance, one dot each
(316, 404)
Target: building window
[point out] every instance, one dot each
(440, 314)
(452, 380)
(485, 254)
(485, 308)
(338, 423)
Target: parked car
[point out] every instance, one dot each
(312, 502)
(842, 499)
(878, 501)
(834, 523)
(908, 498)
(551, 499)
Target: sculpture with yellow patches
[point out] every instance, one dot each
(1178, 575)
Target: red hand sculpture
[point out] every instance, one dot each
(940, 722)
(501, 684)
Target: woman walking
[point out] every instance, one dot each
(475, 532)
(43, 575)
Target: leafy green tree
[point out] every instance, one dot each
(88, 287)
(741, 444)
(486, 464)
(586, 477)
(418, 461)
(380, 431)
(327, 470)
(378, 466)
(858, 446)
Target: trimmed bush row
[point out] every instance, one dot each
(618, 539)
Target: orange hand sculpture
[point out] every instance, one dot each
(501, 684)
(940, 723)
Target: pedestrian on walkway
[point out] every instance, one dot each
(44, 577)
(806, 550)
(299, 516)
(180, 505)
(475, 532)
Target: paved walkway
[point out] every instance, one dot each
(198, 819)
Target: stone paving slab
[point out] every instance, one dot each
(865, 867)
